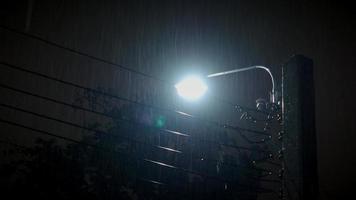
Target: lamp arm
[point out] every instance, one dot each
(246, 69)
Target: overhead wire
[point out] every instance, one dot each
(132, 71)
(107, 150)
(115, 135)
(236, 128)
(126, 120)
(119, 66)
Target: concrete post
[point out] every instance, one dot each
(299, 136)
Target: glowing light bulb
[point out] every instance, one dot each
(191, 88)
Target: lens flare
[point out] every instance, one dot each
(160, 122)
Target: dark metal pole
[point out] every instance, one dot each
(299, 141)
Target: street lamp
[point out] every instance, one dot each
(193, 87)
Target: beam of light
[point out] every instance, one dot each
(191, 88)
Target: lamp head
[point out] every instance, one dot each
(191, 88)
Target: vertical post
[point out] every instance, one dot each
(299, 141)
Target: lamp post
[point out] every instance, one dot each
(299, 150)
(193, 87)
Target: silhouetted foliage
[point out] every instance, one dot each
(116, 169)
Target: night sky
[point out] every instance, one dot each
(169, 39)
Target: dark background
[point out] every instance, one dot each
(167, 39)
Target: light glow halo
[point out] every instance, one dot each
(191, 88)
